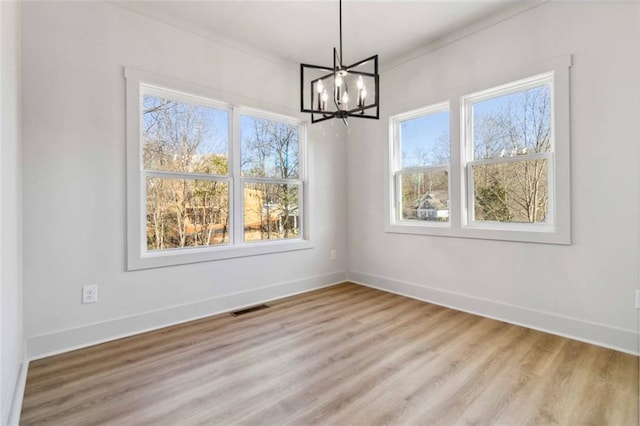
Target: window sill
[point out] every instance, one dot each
(542, 234)
(527, 234)
(148, 260)
(420, 228)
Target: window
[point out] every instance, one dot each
(185, 167)
(209, 181)
(509, 154)
(504, 175)
(421, 176)
(270, 177)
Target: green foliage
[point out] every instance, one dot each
(491, 203)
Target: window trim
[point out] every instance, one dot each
(137, 255)
(560, 231)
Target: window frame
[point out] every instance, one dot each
(139, 83)
(469, 199)
(167, 93)
(558, 231)
(299, 181)
(468, 160)
(398, 171)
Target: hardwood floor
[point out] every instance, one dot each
(342, 355)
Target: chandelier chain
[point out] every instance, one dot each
(340, 33)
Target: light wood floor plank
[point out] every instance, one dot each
(341, 355)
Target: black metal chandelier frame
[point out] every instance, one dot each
(317, 105)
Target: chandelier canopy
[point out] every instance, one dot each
(341, 91)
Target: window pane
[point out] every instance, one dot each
(424, 141)
(186, 213)
(271, 211)
(183, 137)
(425, 196)
(268, 148)
(515, 191)
(514, 124)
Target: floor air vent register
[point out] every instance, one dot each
(249, 310)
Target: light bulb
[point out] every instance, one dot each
(325, 96)
(360, 83)
(345, 98)
(338, 81)
(363, 93)
(319, 86)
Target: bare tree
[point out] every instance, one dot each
(515, 190)
(270, 150)
(181, 212)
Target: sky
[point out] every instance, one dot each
(216, 126)
(215, 122)
(423, 133)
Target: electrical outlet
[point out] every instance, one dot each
(637, 299)
(332, 255)
(89, 294)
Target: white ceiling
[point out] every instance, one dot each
(307, 30)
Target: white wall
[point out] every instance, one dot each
(12, 340)
(74, 178)
(585, 290)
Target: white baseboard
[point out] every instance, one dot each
(91, 334)
(598, 334)
(70, 339)
(18, 395)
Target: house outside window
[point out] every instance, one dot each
(508, 170)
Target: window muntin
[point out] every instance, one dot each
(202, 182)
(509, 140)
(421, 176)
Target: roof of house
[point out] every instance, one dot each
(428, 201)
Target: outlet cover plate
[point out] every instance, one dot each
(89, 294)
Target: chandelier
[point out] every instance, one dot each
(341, 91)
